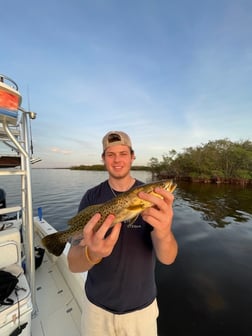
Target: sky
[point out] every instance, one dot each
(172, 74)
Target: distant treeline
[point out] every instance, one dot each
(220, 161)
(100, 167)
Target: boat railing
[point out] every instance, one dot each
(15, 209)
(8, 81)
(19, 138)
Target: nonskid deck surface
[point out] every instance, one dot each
(58, 312)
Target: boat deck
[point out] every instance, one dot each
(58, 311)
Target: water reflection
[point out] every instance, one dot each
(207, 291)
(219, 205)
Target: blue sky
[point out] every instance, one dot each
(171, 73)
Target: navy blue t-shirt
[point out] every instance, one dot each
(124, 281)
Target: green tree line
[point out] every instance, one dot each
(219, 159)
(101, 167)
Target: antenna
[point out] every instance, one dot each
(29, 109)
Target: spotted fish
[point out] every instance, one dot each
(125, 207)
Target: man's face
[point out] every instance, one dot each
(118, 160)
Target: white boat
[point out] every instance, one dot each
(48, 299)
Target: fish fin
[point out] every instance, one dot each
(54, 244)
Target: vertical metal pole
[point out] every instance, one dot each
(29, 230)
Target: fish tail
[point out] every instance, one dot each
(54, 243)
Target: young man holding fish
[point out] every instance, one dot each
(120, 291)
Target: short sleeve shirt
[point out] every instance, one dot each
(124, 281)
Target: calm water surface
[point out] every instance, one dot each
(208, 290)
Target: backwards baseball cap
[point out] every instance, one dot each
(115, 138)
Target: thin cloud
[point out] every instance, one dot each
(60, 151)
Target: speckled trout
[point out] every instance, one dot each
(125, 207)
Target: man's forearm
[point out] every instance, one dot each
(77, 260)
(166, 248)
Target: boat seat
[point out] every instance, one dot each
(10, 247)
(18, 313)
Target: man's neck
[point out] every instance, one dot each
(122, 184)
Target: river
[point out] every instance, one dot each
(208, 290)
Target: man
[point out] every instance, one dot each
(120, 291)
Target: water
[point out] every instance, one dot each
(207, 291)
